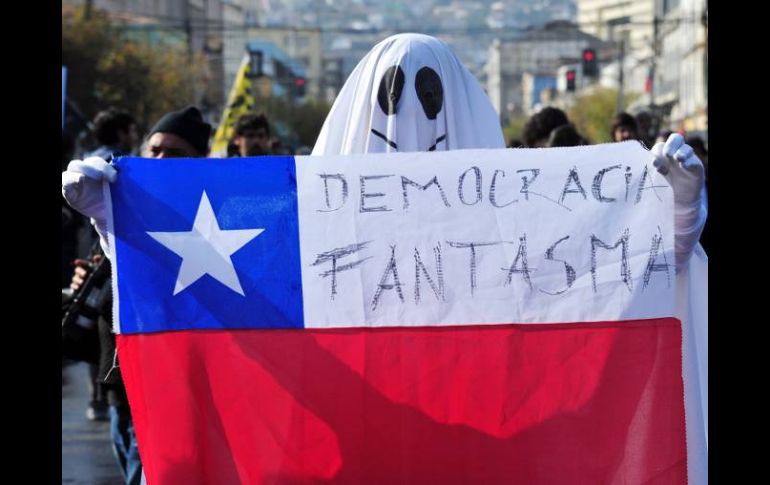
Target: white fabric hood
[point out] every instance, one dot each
(409, 93)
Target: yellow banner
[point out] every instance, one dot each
(240, 102)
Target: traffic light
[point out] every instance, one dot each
(571, 80)
(299, 86)
(590, 67)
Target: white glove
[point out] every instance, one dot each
(81, 186)
(677, 162)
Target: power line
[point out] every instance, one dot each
(181, 23)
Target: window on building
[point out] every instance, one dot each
(669, 5)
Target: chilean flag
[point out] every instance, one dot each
(477, 316)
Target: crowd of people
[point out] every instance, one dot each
(465, 119)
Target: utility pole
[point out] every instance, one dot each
(705, 24)
(617, 33)
(188, 31)
(195, 91)
(620, 74)
(655, 55)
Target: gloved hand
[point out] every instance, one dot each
(81, 186)
(677, 162)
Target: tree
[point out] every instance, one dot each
(304, 120)
(107, 66)
(514, 128)
(592, 113)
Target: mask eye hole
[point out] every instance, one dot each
(391, 86)
(429, 91)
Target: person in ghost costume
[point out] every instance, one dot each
(411, 93)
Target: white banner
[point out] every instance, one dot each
(485, 236)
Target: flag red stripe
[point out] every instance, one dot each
(577, 403)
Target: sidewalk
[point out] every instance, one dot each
(85, 445)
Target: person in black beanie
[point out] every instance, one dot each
(179, 134)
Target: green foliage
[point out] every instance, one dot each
(305, 120)
(514, 128)
(108, 67)
(592, 113)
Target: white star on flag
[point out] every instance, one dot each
(206, 249)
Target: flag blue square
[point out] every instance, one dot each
(164, 196)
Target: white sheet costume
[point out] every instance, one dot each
(411, 93)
